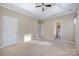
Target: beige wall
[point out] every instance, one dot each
(27, 24)
(0, 26)
(77, 31)
(68, 32)
(48, 29)
(67, 27)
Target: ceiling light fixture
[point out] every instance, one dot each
(43, 5)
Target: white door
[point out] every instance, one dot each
(10, 30)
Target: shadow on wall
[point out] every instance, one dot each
(27, 37)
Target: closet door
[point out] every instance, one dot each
(10, 30)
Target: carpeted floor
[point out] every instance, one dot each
(40, 48)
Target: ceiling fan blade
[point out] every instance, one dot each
(38, 6)
(48, 5)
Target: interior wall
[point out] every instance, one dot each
(48, 30)
(67, 28)
(77, 30)
(0, 26)
(27, 24)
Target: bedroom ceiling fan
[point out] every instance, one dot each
(43, 6)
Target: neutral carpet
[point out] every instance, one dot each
(40, 48)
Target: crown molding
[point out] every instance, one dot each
(34, 15)
(20, 11)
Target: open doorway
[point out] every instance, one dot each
(57, 27)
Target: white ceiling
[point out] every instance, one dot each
(31, 10)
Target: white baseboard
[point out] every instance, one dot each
(3, 46)
(65, 41)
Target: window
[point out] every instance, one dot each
(27, 37)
